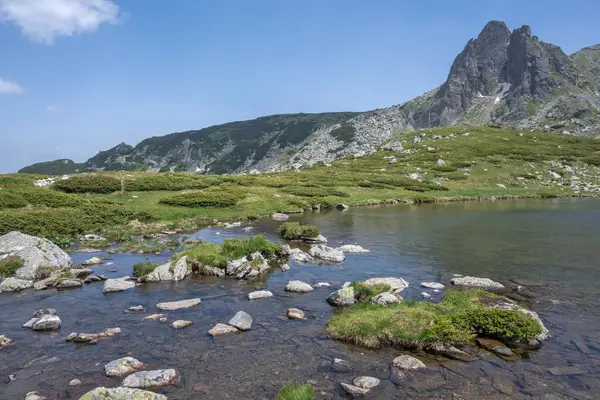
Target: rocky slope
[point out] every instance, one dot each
(505, 78)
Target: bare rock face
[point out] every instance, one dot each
(35, 253)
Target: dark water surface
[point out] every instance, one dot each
(552, 247)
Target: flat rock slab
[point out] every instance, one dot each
(177, 305)
(151, 379)
(117, 285)
(471, 281)
(432, 285)
(298, 287)
(259, 294)
(180, 324)
(123, 366)
(222, 329)
(242, 321)
(121, 393)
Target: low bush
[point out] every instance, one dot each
(61, 241)
(9, 266)
(9, 199)
(220, 199)
(89, 183)
(295, 231)
(142, 269)
(169, 181)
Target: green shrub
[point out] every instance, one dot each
(219, 199)
(89, 183)
(61, 241)
(295, 231)
(593, 160)
(169, 181)
(9, 199)
(142, 269)
(499, 324)
(9, 266)
(296, 391)
(305, 191)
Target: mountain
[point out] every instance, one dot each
(502, 77)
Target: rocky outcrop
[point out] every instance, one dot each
(121, 393)
(35, 253)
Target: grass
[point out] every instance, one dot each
(142, 269)
(9, 266)
(457, 319)
(366, 292)
(295, 231)
(141, 246)
(217, 255)
(117, 204)
(296, 391)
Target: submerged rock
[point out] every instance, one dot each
(495, 347)
(117, 285)
(75, 382)
(295, 313)
(342, 297)
(259, 294)
(353, 249)
(242, 321)
(47, 323)
(14, 285)
(123, 366)
(35, 253)
(327, 253)
(151, 379)
(222, 329)
(176, 305)
(354, 390)
(339, 365)
(298, 287)
(396, 285)
(366, 382)
(180, 324)
(280, 217)
(471, 281)
(121, 393)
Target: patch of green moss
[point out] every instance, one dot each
(296, 391)
(295, 231)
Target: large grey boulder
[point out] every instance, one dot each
(117, 285)
(14, 285)
(68, 284)
(151, 379)
(342, 297)
(121, 393)
(242, 321)
(34, 251)
(176, 305)
(471, 281)
(327, 253)
(47, 322)
(123, 366)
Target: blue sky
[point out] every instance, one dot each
(79, 76)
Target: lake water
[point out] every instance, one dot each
(552, 247)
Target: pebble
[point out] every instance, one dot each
(75, 382)
(180, 324)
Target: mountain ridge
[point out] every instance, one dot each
(502, 77)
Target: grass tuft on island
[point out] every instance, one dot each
(365, 292)
(217, 255)
(295, 231)
(142, 269)
(461, 316)
(296, 391)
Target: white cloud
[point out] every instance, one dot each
(43, 20)
(53, 109)
(8, 87)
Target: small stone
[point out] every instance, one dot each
(163, 319)
(366, 382)
(136, 308)
(354, 391)
(47, 323)
(432, 285)
(242, 321)
(112, 331)
(323, 284)
(35, 396)
(12, 377)
(4, 341)
(180, 324)
(295, 313)
(154, 317)
(151, 379)
(123, 366)
(75, 382)
(93, 261)
(71, 336)
(284, 267)
(339, 365)
(298, 287)
(425, 295)
(259, 294)
(222, 329)
(176, 305)
(407, 363)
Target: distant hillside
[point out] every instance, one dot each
(504, 78)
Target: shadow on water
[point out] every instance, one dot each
(549, 247)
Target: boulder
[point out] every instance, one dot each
(47, 323)
(46, 283)
(425, 295)
(284, 267)
(234, 266)
(298, 287)
(35, 253)
(255, 266)
(222, 329)
(385, 299)
(471, 281)
(154, 317)
(80, 273)
(397, 285)
(327, 253)
(93, 261)
(176, 305)
(91, 279)
(366, 382)
(68, 283)
(407, 363)
(14, 285)
(180, 270)
(241, 321)
(432, 285)
(323, 284)
(353, 249)
(342, 297)
(117, 285)
(300, 257)
(121, 393)
(295, 313)
(259, 294)
(151, 379)
(394, 145)
(180, 324)
(160, 273)
(354, 391)
(123, 366)
(280, 217)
